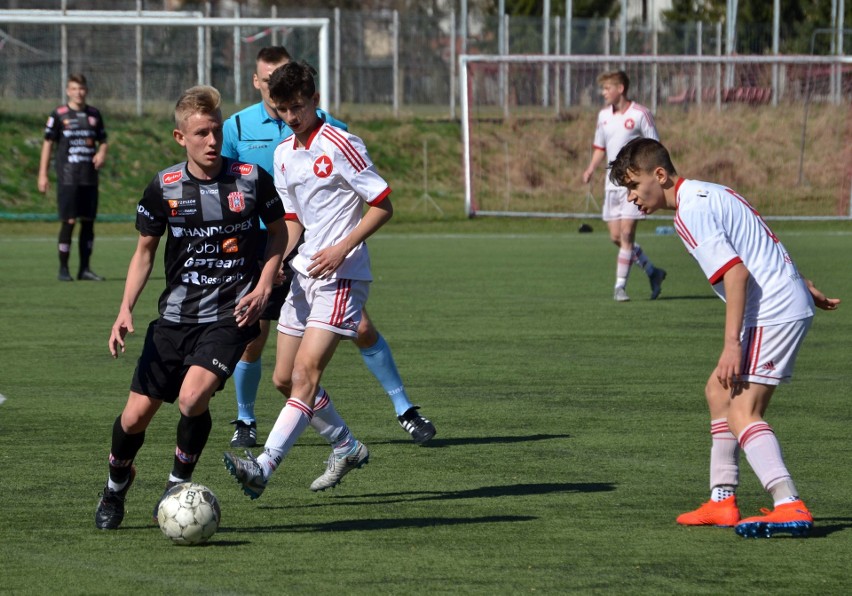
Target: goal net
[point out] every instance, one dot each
(776, 129)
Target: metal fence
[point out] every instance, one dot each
(382, 60)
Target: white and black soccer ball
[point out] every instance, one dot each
(189, 514)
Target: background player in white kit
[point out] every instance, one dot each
(324, 177)
(252, 135)
(768, 311)
(619, 122)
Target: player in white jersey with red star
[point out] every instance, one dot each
(768, 311)
(324, 177)
(618, 123)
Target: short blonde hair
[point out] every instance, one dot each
(201, 99)
(619, 77)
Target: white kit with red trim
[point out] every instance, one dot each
(721, 229)
(324, 186)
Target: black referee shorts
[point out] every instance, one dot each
(171, 348)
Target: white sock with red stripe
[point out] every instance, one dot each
(724, 460)
(622, 267)
(292, 421)
(329, 424)
(764, 455)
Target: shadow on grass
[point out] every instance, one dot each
(358, 525)
(439, 442)
(826, 526)
(665, 298)
(511, 490)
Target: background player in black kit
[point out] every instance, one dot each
(78, 131)
(210, 209)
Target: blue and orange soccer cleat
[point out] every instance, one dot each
(724, 514)
(793, 518)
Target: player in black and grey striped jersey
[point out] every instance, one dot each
(210, 210)
(211, 249)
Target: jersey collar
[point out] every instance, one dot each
(627, 106)
(310, 138)
(265, 115)
(677, 192)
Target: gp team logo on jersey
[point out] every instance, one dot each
(242, 169)
(322, 166)
(236, 202)
(93, 122)
(172, 177)
(630, 124)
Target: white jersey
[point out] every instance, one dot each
(324, 186)
(721, 229)
(615, 129)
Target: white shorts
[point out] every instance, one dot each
(333, 304)
(769, 353)
(616, 206)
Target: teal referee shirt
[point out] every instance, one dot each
(251, 135)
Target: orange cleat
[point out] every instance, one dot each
(713, 513)
(793, 518)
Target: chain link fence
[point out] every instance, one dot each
(382, 61)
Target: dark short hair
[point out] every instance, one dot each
(639, 155)
(291, 80)
(78, 78)
(273, 54)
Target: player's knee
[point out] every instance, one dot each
(718, 398)
(136, 419)
(304, 380)
(193, 402)
(282, 383)
(253, 350)
(367, 334)
(132, 424)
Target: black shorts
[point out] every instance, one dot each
(171, 348)
(277, 299)
(77, 201)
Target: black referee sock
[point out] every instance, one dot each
(192, 433)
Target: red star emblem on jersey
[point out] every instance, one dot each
(629, 124)
(322, 167)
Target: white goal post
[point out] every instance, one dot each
(528, 124)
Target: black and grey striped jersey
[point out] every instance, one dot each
(213, 230)
(77, 134)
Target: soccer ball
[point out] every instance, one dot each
(189, 514)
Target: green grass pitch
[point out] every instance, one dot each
(571, 430)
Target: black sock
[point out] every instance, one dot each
(87, 241)
(192, 433)
(123, 452)
(64, 243)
